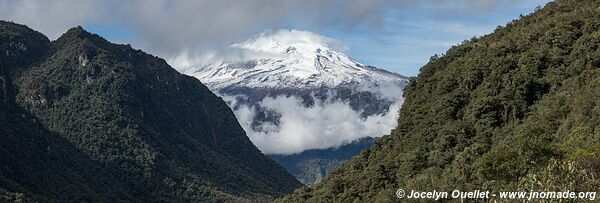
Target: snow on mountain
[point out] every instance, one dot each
(295, 90)
(287, 59)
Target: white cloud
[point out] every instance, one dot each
(324, 125)
(265, 45)
(167, 27)
(264, 41)
(52, 17)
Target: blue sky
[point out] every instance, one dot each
(407, 38)
(397, 35)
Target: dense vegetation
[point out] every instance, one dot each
(39, 165)
(91, 120)
(516, 110)
(311, 166)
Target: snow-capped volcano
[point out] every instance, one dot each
(288, 59)
(296, 90)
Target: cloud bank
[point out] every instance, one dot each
(323, 125)
(168, 27)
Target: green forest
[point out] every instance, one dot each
(85, 120)
(514, 110)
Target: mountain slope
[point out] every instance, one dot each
(311, 166)
(37, 164)
(170, 138)
(515, 110)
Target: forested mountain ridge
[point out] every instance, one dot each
(38, 165)
(165, 135)
(514, 110)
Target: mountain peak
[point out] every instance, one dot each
(287, 59)
(289, 41)
(77, 34)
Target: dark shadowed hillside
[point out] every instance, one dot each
(39, 165)
(311, 166)
(516, 110)
(113, 123)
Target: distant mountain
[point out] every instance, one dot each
(311, 166)
(295, 90)
(515, 110)
(289, 59)
(308, 71)
(87, 120)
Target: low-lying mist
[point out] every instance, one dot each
(323, 125)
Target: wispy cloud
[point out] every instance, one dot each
(168, 27)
